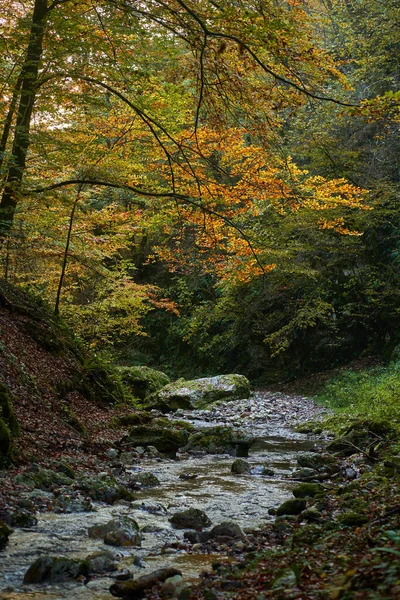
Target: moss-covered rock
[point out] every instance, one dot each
(147, 480)
(43, 479)
(307, 535)
(291, 507)
(240, 466)
(143, 381)
(5, 533)
(101, 382)
(122, 531)
(166, 439)
(199, 393)
(304, 490)
(315, 460)
(54, 569)
(192, 518)
(104, 489)
(216, 440)
(352, 518)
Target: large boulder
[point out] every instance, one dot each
(199, 393)
(143, 381)
(192, 518)
(55, 568)
(216, 440)
(122, 531)
(166, 439)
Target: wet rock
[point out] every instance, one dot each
(143, 381)
(54, 569)
(44, 479)
(307, 535)
(122, 531)
(268, 472)
(304, 473)
(240, 466)
(196, 537)
(291, 507)
(192, 518)
(173, 587)
(227, 529)
(104, 489)
(5, 533)
(72, 503)
(21, 517)
(101, 562)
(198, 393)
(147, 480)
(304, 490)
(315, 460)
(165, 439)
(216, 440)
(312, 515)
(136, 588)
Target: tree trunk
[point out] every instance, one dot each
(29, 80)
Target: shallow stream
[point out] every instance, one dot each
(244, 499)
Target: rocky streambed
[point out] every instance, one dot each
(195, 479)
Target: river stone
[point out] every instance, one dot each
(135, 588)
(44, 479)
(122, 531)
(147, 480)
(143, 381)
(304, 490)
(304, 473)
(192, 518)
(227, 529)
(315, 460)
(173, 587)
(21, 517)
(216, 440)
(104, 489)
(72, 503)
(291, 507)
(101, 562)
(5, 533)
(312, 515)
(166, 439)
(196, 537)
(198, 393)
(267, 471)
(240, 466)
(54, 569)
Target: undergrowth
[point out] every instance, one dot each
(371, 394)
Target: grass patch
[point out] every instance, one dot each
(371, 394)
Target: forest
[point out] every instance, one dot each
(200, 194)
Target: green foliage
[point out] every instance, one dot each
(372, 394)
(101, 381)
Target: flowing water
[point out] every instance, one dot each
(244, 499)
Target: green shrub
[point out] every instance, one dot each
(373, 394)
